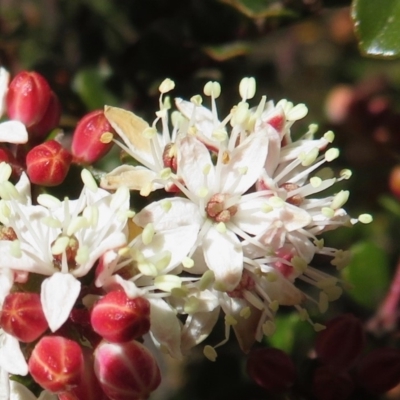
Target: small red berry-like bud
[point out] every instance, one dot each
(331, 384)
(48, 163)
(50, 119)
(56, 363)
(27, 98)
(379, 371)
(272, 369)
(117, 318)
(126, 371)
(341, 342)
(86, 144)
(22, 316)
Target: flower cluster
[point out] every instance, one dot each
(238, 227)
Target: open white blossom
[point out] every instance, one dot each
(61, 239)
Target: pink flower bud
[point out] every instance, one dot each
(117, 318)
(272, 369)
(56, 363)
(48, 163)
(22, 316)
(86, 145)
(126, 371)
(28, 97)
(89, 387)
(331, 384)
(341, 342)
(50, 119)
(379, 371)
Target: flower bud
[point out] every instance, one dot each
(22, 316)
(117, 318)
(27, 98)
(86, 144)
(331, 384)
(126, 371)
(271, 369)
(56, 363)
(48, 163)
(341, 342)
(50, 119)
(379, 371)
(89, 387)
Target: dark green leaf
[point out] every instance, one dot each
(377, 25)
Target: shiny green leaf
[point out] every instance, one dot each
(368, 274)
(377, 25)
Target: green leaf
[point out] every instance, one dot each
(377, 25)
(89, 84)
(261, 8)
(368, 274)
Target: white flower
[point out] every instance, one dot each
(10, 131)
(61, 239)
(216, 205)
(155, 152)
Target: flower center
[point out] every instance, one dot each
(246, 283)
(297, 199)
(70, 250)
(218, 210)
(169, 157)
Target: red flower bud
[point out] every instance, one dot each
(331, 384)
(86, 145)
(56, 363)
(22, 316)
(341, 342)
(50, 119)
(48, 163)
(126, 371)
(272, 369)
(89, 387)
(28, 97)
(379, 371)
(117, 318)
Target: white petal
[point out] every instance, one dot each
(11, 357)
(224, 256)
(135, 178)
(24, 188)
(170, 213)
(4, 78)
(165, 327)
(249, 215)
(178, 241)
(4, 385)
(249, 156)
(97, 249)
(20, 392)
(13, 132)
(199, 327)
(193, 158)
(58, 295)
(6, 282)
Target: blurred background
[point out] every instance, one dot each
(117, 52)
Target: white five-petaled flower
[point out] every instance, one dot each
(10, 131)
(61, 239)
(216, 205)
